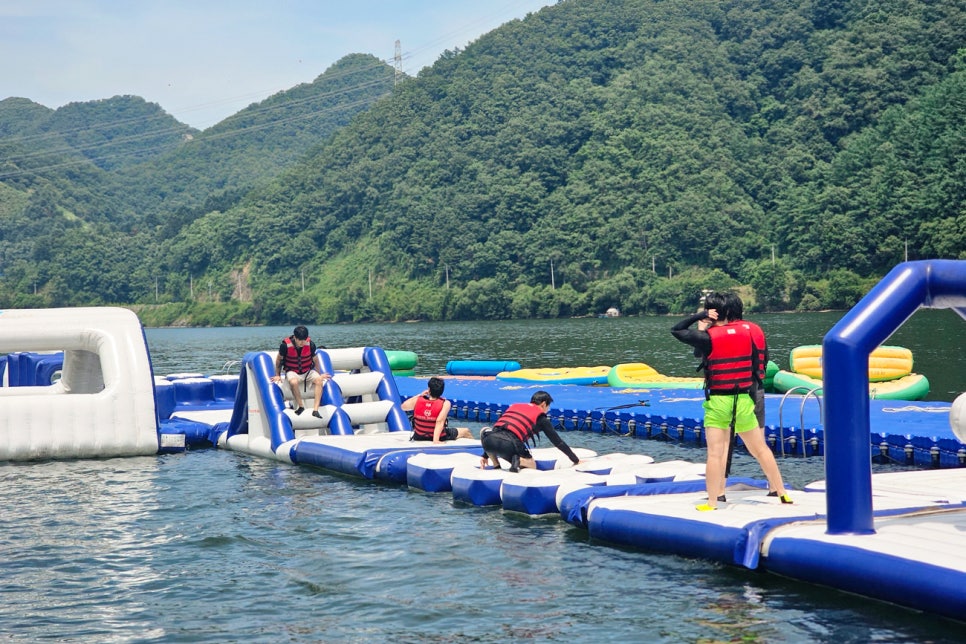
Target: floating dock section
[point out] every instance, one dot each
(901, 432)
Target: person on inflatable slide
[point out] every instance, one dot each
(299, 365)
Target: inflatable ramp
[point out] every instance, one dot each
(103, 403)
(363, 429)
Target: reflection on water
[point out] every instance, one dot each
(934, 336)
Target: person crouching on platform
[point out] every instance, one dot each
(430, 415)
(520, 423)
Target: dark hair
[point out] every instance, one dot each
(717, 301)
(436, 386)
(736, 308)
(541, 397)
(300, 333)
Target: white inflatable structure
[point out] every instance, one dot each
(360, 399)
(103, 405)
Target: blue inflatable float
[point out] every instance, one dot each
(480, 367)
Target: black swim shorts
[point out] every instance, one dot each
(448, 434)
(504, 444)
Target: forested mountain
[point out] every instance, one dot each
(598, 153)
(111, 133)
(81, 223)
(257, 143)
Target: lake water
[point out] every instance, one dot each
(935, 338)
(215, 546)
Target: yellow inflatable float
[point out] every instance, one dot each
(890, 373)
(885, 363)
(643, 376)
(564, 376)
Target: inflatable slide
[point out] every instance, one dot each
(362, 429)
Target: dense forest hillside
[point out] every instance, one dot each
(82, 223)
(111, 133)
(257, 143)
(599, 153)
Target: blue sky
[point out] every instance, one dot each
(204, 60)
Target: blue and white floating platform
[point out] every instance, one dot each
(914, 559)
(909, 433)
(898, 537)
(361, 431)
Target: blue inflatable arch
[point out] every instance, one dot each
(936, 284)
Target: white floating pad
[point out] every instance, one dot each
(433, 472)
(609, 463)
(535, 492)
(663, 472)
(550, 458)
(478, 487)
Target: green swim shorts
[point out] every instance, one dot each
(718, 410)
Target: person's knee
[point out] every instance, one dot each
(753, 440)
(716, 447)
(717, 454)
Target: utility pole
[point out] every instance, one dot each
(447, 275)
(397, 58)
(553, 283)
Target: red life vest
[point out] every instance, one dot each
(425, 414)
(298, 360)
(729, 368)
(521, 419)
(761, 347)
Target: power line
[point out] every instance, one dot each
(214, 136)
(397, 64)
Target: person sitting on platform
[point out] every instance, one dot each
(520, 423)
(430, 415)
(298, 363)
